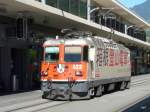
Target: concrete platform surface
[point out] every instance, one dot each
(112, 102)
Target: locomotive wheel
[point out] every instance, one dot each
(99, 91)
(45, 94)
(117, 86)
(90, 93)
(120, 86)
(123, 85)
(106, 86)
(49, 95)
(52, 94)
(128, 85)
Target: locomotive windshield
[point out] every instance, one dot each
(52, 54)
(73, 54)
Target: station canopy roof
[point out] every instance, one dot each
(114, 5)
(124, 12)
(56, 18)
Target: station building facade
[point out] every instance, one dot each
(25, 24)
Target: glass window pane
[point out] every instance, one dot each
(73, 54)
(38, 0)
(51, 54)
(52, 50)
(83, 8)
(74, 7)
(52, 3)
(64, 5)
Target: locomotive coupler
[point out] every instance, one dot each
(50, 84)
(71, 83)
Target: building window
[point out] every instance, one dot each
(38, 0)
(117, 25)
(52, 3)
(122, 28)
(74, 7)
(83, 8)
(63, 5)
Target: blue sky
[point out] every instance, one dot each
(131, 3)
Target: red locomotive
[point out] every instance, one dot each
(83, 66)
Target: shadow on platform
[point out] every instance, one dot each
(143, 106)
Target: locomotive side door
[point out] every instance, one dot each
(92, 61)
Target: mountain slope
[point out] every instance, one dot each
(143, 10)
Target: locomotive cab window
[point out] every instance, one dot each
(51, 54)
(85, 53)
(73, 53)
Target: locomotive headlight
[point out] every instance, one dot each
(78, 73)
(44, 73)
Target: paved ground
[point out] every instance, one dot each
(113, 102)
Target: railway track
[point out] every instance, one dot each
(27, 103)
(140, 82)
(32, 102)
(34, 106)
(43, 107)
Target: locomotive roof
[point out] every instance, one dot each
(103, 39)
(76, 40)
(79, 41)
(96, 41)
